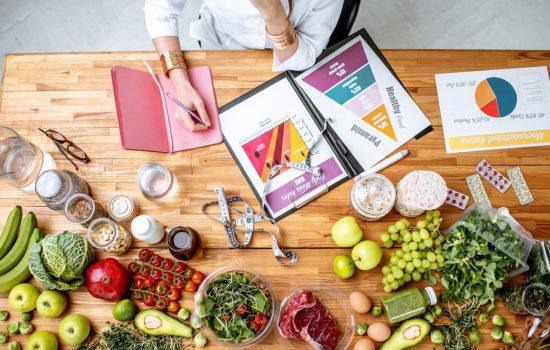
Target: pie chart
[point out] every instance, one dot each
(496, 97)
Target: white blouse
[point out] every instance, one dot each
(237, 24)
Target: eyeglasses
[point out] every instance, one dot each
(67, 147)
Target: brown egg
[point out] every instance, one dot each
(379, 331)
(359, 302)
(364, 344)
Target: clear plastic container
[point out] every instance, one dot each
(372, 197)
(266, 288)
(105, 234)
(337, 305)
(539, 262)
(491, 224)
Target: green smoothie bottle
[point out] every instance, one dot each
(408, 303)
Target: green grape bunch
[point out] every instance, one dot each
(421, 250)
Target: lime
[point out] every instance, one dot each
(124, 310)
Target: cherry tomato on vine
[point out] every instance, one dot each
(161, 304)
(156, 274)
(188, 273)
(179, 267)
(166, 264)
(149, 282)
(149, 299)
(190, 286)
(179, 282)
(156, 260)
(134, 268)
(145, 254)
(197, 277)
(173, 294)
(173, 307)
(139, 283)
(161, 288)
(145, 271)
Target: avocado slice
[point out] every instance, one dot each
(410, 333)
(154, 322)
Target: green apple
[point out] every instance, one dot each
(51, 303)
(41, 340)
(23, 297)
(366, 255)
(74, 329)
(346, 232)
(343, 266)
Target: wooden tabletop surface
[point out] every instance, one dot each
(72, 93)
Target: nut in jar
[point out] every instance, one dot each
(105, 234)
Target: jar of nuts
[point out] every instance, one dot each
(105, 234)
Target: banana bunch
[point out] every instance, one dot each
(15, 242)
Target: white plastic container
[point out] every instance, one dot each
(146, 229)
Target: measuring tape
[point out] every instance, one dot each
(248, 219)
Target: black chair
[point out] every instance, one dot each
(345, 22)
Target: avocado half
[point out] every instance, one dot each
(154, 322)
(410, 333)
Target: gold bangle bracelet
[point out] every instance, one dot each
(285, 39)
(172, 59)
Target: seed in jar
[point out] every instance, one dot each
(81, 209)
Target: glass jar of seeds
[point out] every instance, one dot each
(105, 234)
(82, 209)
(512, 296)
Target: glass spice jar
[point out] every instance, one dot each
(82, 209)
(54, 187)
(105, 234)
(122, 208)
(512, 296)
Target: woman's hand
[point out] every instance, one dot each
(187, 94)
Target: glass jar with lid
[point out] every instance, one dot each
(105, 234)
(122, 208)
(82, 209)
(372, 197)
(54, 187)
(408, 303)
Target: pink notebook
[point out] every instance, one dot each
(146, 116)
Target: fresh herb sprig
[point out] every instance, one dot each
(462, 321)
(123, 336)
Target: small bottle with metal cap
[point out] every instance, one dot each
(146, 229)
(122, 208)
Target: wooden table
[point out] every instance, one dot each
(72, 93)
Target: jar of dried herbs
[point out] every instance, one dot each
(536, 299)
(512, 296)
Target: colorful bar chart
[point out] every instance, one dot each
(348, 80)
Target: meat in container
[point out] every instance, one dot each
(259, 297)
(329, 306)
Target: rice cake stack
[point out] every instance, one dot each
(418, 191)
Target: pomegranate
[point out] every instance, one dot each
(107, 279)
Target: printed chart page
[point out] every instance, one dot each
(495, 109)
(371, 111)
(273, 127)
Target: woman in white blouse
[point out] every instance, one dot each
(297, 30)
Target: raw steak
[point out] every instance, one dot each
(301, 300)
(310, 321)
